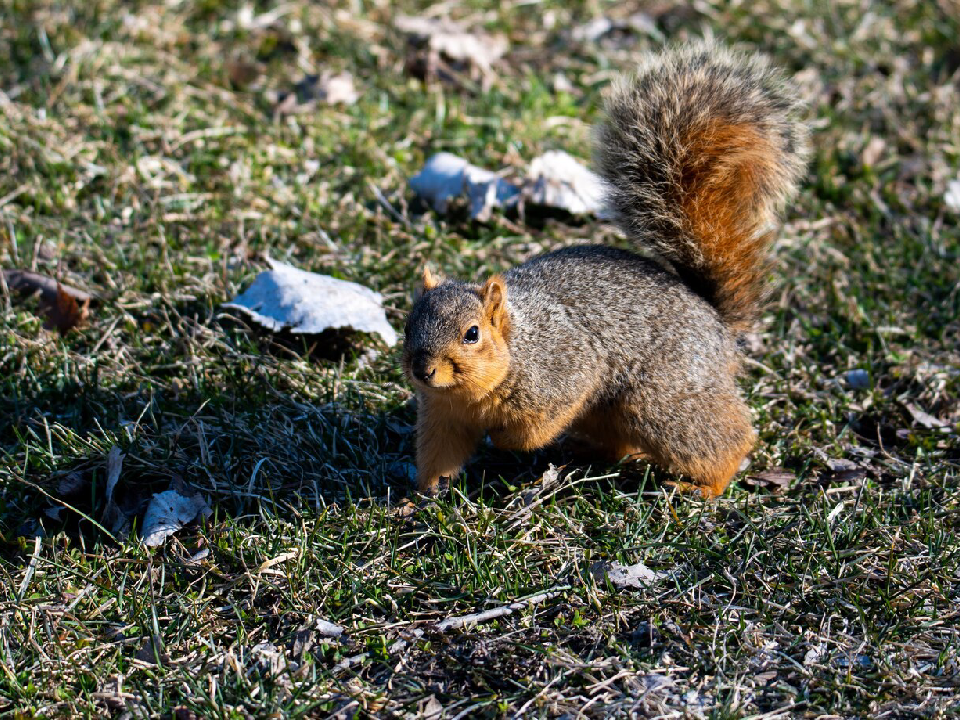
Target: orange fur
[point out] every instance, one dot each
(445, 440)
(724, 180)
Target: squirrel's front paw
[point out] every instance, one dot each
(433, 486)
(705, 492)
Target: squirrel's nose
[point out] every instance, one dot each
(423, 369)
(425, 374)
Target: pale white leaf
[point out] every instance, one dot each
(328, 629)
(168, 512)
(440, 180)
(922, 417)
(557, 179)
(952, 196)
(446, 176)
(640, 23)
(626, 577)
(287, 298)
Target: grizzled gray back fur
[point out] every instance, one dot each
(641, 152)
(645, 333)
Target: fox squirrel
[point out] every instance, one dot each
(699, 150)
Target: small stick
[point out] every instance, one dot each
(494, 613)
(381, 198)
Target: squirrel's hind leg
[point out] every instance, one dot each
(705, 437)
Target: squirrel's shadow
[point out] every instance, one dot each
(245, 440)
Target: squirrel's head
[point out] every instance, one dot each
(456, 337)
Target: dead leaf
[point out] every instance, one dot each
(168, 512)
(328, 629)
(557, 179)
(66, 313)
(243, 73)
(857, 379)
(447, 176)
(472, 53)
(873, 151)
(405, 509)
(65, 307)
(113, 518)
(924, 418)
(626, 577)
(777, 479)
(70, 484)
(554, 179)
(429, 708)
(287, 298)
(640, 23)
(328, 88)
(952, 196)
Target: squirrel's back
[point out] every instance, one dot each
(700, 149)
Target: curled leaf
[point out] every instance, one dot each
(287, 298)
(557, 179)
(113, 518)
(168, 512)
(64, 307)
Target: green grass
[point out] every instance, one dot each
(130, 165)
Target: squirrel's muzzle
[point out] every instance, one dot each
(422, 368)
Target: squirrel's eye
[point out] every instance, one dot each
(472, 335)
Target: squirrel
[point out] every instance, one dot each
(699, 150)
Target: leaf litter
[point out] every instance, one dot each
(327, 88)
(446, 49)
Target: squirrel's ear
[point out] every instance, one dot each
(428, 282)
(494, 294)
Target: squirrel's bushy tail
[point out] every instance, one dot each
(700, 149)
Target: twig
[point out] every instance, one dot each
(458, 622)
(386, 203)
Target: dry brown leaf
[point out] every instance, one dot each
(66, 313)
(243, 73)
(65, 307)
(28, 283)
(406, 508)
